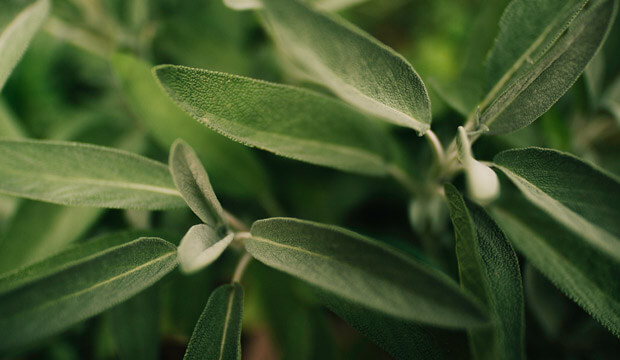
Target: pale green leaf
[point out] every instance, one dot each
(355, 66)
(201, 246)
(489, 269)
(192, 181)
(234, 169)
(594, 76)
(549, 67)
(16, 33)
(49, 297)
(56, 227)
(334, 5)
(364, 271)
(288, 121)
(86, 175)
(218, 332)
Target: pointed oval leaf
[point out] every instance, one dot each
(192, 181)
(355, 66)
(201, 246)
(217, 334)
(539, 85)
(288, 121)
(364, 271)
(70, 173)
(578, 195)
(489, 269)
(77, 288)
(234, 168)
(16, 33)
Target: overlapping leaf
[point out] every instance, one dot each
(218, 332)
(48, 297)
(351, 63)
(288, 121)
(488, 268)
(201, 246)
(87, 175)
(364, 271)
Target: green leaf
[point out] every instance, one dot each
(48, 297)
(402, 339)
(594, 76)
(56, 226)
(16, 33)
(489, 269)
(364, 271)
(355, 66)
(548, 65)
(235, 170)
(611, 99)
(192, 181)
(288, 121)
(568, 226)
(218, 332)
(70, 173)
(201, 246)
(9, 126)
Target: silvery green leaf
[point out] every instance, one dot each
(192, 181)
(489, 269)
(71, 173)
(201, 246)
(218, 332)
(355, 66)
(364, 271)
(17, 32)
(233, 167)
(56, 227)
(288, 121)
(549, 67)
(48, 297)
(611, 99)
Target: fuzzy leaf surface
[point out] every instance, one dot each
(201, 246)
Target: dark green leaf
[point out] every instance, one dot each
(488, 268)
(363, 271)
(218, 332)
(288, 121)
(50, 296)
(351, 63)
(87, 175)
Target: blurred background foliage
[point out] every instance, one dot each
(72, 84)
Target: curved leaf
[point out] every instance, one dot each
(17, 34)
(538, 85)
(218, 332)
(364, 271)
(355, 66)
(288, 121)
(48, 297)
(70, 173)
(201, 246)
(489, 269)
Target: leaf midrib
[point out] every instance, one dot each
(231, 299)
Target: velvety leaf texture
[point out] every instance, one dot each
(49, 297)
(235, 170)
(201, 246)
(85, 175)
(488, 267)
(218, 332)
(16, 33)
(288, 121)
(192, 181)
(351, 63)
(539, 85)
(363, 271)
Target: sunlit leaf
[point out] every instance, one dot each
(201, 246)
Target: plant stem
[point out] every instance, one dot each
(436, 146)
(241, 265)
(405, 180)
(235, 223)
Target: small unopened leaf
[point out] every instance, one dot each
(218, 332)
(288, 121)
(17, 32)
(201, 246)
(48, 297)
(550, 65)
(70, 173)
(355, 66)
(364, 271)
(489, 269)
